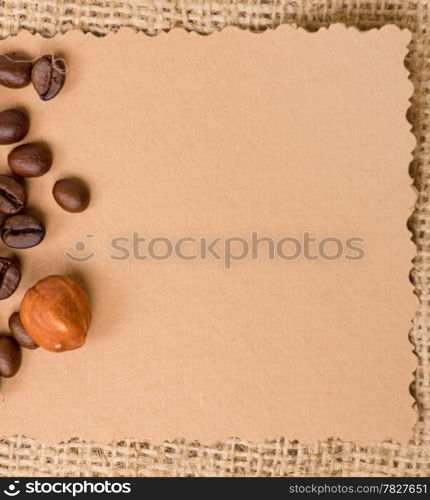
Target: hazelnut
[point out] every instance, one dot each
(56, 313)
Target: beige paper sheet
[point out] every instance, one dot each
(181, 136)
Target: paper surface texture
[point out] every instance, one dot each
(182, 136)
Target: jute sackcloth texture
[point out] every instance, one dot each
(20, 456)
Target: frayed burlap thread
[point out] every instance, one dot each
(20, 456)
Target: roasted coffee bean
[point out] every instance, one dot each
(30, 160)
(14, 125)
(48, 77)
(71, 194)
(15, 72)
(10, 356)
(10, 276)
(22, 231)
(19, 333)
(12, 195)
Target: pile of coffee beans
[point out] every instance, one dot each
(22, 230)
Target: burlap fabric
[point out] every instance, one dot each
(22, 456)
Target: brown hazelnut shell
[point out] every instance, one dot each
(56, 313)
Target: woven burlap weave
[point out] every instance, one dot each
(20, 456)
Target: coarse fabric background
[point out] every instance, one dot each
(20, 456)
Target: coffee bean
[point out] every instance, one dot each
(22, 231)
(30, 160)
(19, 333)
(14, 125)
(71, 194)
(10, 276)
(15, 72)
(10, 356)
(12, 195)
(48, 77)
